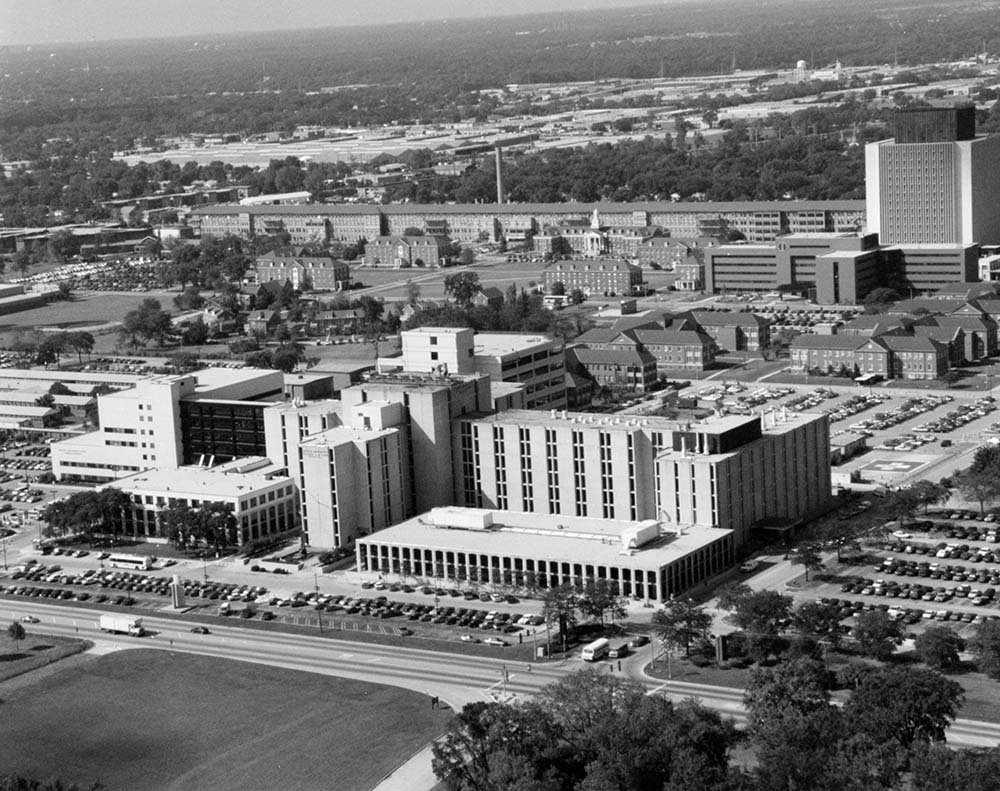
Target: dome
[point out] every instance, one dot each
(801, 64)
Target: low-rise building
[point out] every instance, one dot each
(617, 369)
(398, 252)
(261, 504)
(600, 276)
(734, 331)
(649, 560)
(304, 272)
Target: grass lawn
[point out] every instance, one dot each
(140, 719)
(86, 309)
(33, 651)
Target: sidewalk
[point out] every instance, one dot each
(414, 774)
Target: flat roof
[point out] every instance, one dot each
(667, 207)
(341, 434)
(553, 538)
(197, 482)
(497, 344)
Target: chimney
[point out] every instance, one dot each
(499, 177)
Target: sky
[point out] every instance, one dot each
(50, 21)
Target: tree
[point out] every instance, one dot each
(681, 622)
(762, 615)
(763, 612)
(936, 767)
(985, 648)
(19, 783)
(939, 647)
(196, 332)
(558, 288)
(81, 341)
(928, 493)
(792, 726)
(189, 299)
(820, 621)
(183, 361)
(731, 594)
(602, 597)
(810, 556)
(801, 685)
(627, 739)
(462, 286)
(981, 480)
(877, 634)
(950, 376)
(16, 633)
(905, 704)
(577, 297)
(495, 747)
(147, 322)
(559, 605)
(467, 256)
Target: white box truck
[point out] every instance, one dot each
(122, 624)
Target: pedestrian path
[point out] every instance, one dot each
(414, 774)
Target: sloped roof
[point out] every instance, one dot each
(836, 342)
(614, 357)
(911, 343)
(728, 318)
(673, 337)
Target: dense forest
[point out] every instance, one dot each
(433, 71)
(67, 109)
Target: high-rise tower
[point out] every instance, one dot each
(936, 181)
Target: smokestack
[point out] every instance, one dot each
(499, 177)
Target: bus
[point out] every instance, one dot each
(143, 562)
(595, 650)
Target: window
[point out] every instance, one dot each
(434, 355)
(434, 340)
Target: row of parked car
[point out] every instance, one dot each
(961, 415)
(810, 400)
(948, 550)
(908, 615)
(856, 404)
(915, 590)
(65, 594)
(939, 571)
(909, 409)
(22, 495)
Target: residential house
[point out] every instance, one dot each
(262, 322)
(489, 297)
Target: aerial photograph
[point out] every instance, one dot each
(499, 395)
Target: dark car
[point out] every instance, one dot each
(199, 629)
(639, 640)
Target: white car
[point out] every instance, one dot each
(29, 619)
(469, 638)
(495, 641)
(902, 534)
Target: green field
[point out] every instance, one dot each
(143, 720)
(86, 309)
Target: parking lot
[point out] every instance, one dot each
(942, 569)
(437, 613)
(910, 434)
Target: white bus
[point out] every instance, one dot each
(143, 562)
(596, 650)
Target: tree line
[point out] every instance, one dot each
(595, 731)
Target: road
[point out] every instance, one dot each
(456, 679)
